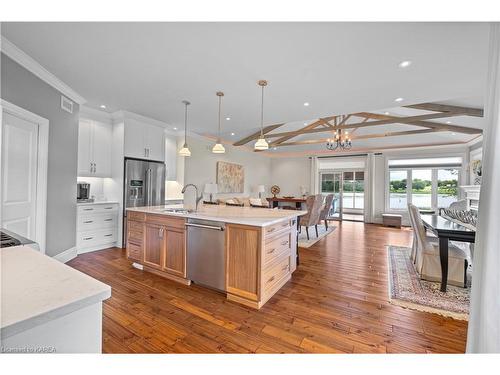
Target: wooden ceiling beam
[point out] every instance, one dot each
(435, 107)
(313, 125)
(366, 136)
(256, 135)
(399, 120)
(425, 124)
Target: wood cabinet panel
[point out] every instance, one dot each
(134, 251)
(243, 260)
(136, 216)
(274, 229)
(277, 247)
(154, 246)
(175, 252)
(167, 221)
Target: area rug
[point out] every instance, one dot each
(304, 242)
(407, 290)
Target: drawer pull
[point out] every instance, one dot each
(108, 208)
(271, 279)
(271, 251)
(284, 225)
(285, 268)
(108, 219)
(108, 235)
(87, 238)
(284, 243)
(88, 209)
(271, 230)
(88, 221)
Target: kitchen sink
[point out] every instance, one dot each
(175, 210)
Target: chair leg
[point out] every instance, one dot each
(307, 233)
(316, 227)
(326, 224)
(466, 265)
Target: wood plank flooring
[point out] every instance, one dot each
(336, 302)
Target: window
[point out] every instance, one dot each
(397, 190)
(433, 182)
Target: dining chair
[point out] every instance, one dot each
(325, 209)
(428, 263)
(413, 254)
(313, 204)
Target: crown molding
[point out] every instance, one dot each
(30, 64)
(95, 114)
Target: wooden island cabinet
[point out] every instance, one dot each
(259, 259)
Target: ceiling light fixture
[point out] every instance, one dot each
(185, 150)
(448, 122)
(386, 113)
(405, 64)
(175, 128)
(228, 118)
(340, 140)
(103, 106)
(398, 100)
(233, 134)
(261, 143)
(306, 104)
(218, 147)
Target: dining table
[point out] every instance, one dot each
(274, 201)
(447, 230)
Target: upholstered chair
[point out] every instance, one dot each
(313, 204)
(325, 209)
(430, 238)
(427, 261)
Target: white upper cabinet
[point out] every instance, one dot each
(94, 149)
(144, 141)
(171, 157)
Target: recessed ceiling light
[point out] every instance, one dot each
(103, 106)
(175, 128)
(275, 148)
(405, 64)
(386, 113)
(398, 100)
(448, 122)
(228, 118)
(306, 104)
(232, 133)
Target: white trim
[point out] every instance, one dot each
(26, 61)
(90, 249)
(66, 255)
(95, 114)
(121, 116)
(42, 167)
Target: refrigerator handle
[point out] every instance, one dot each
(150, 187)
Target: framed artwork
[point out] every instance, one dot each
(230, 177)
(476, 166)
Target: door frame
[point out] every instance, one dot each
(42, 165)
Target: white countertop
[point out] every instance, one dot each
(37, 288)
(259, 217)
(94, 203)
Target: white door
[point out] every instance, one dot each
(84, 147)
(19, 175)
(101, 147)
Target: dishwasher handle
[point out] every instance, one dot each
(204, 226)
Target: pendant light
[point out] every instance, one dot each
(261, 143)
(218, 147)
(185, 150)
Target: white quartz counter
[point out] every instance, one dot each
(95, 203)
(36, 289)
(260, 217)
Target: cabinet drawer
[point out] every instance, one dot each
(135, 226)
(134, 251)
(97, 208)
(167, 221)
(98, 237)
(135, 237)
(96, 221)
(276, 273)
(137, 216)
(276, 248)
(271, 230)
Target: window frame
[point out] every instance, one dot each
(409, 187)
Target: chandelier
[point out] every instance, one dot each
(340, 141)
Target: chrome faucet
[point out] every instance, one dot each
(198, 198)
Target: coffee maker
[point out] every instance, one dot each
(83, 192)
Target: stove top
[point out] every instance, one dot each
(9, 239)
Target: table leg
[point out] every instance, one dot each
(275, 204)
(297, 246)
(443, 257)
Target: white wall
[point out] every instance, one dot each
(200, 167)
(290, 174)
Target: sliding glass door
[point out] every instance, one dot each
(348, 190)
(331, 183)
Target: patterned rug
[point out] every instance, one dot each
(304, 242)
(407, 290)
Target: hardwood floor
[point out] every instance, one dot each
(336, 302)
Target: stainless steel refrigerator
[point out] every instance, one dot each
(144, 185)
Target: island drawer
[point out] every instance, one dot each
(134, 251)
(165, 220)
(276, 273)
(135, 226)
(136, 237)
(276, 248)
(137, 216)
(271, 230)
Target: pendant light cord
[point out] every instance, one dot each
(262, 114)
(218, 137)
(185, 123)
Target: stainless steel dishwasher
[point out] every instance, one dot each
(205, 253)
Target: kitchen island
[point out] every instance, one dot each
(259, 246)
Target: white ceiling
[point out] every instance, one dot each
(149, 68)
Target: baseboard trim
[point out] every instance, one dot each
(66, 255)
(84, 250)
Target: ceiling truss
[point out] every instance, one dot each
(369, 119)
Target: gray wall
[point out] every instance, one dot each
(22, 88)
(290, 174)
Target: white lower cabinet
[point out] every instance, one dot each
(96, 226)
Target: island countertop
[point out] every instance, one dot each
(259, 217)
(36, 289)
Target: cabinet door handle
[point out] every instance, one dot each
(271, 230)
(271, 251)
(95, 167)
(271, 279)
(286, 268)
(160, 232)
(88, 221)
